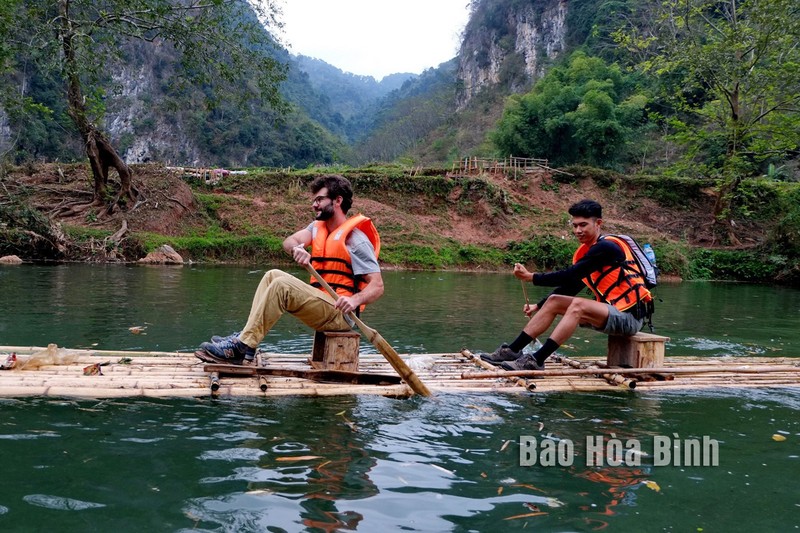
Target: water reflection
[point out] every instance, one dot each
(450, 463)
(319, 473)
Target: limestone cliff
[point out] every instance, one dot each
(133, 119)
(509, 44)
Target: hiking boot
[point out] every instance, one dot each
(503, 353)
(526, 362)
(228, 351)
(217, 338)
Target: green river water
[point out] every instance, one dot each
(453, 462)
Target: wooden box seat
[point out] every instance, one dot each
(643, 350)
(335, 350)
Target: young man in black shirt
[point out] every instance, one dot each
(603, 263)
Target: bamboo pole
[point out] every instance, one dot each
(614, 379)
(524, 383)
(329, 376)
(622, 381)
(659, 370)
(379, 342)
(29, 350)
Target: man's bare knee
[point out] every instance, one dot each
(577, 308)
(558, 303)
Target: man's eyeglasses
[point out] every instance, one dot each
(318, 199)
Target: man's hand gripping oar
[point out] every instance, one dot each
(379, 342)
(521, 272)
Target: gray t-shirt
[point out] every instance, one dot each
(362, 253)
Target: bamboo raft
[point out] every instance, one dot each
(60, 372)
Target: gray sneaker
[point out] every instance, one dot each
(503, 353)
(218, 338)
(231, 351)
(526, 362)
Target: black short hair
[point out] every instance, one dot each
(337, 186)
(587, 209)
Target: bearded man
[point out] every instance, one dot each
(344, 251)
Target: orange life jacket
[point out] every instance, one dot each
(329, 255)
(621, 285)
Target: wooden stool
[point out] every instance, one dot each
(643, 350)
(335, 350)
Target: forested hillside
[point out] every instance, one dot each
(353, 99)
(665, 110)
(153, 105)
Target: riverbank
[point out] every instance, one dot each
(429, 219)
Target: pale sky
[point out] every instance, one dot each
(375, 37)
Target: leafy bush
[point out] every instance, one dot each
(671, 191)
(783, 241)
(731, 265)
(757, 199)
(583, 111)
(602, 177)
(26, 232)
(543, 252)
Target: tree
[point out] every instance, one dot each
(732, 68)
(82, 40)
(584, 111)
(7, 10)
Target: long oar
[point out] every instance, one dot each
(379, 342)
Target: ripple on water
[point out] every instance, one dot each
(62, 504)
(245, 512)
(233, 454)
(140, 440)
(238, 436)
(285, 477)
(28, 436)
(290, 447)
(725, 347)
(430, 511)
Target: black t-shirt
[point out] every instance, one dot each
(569, 282)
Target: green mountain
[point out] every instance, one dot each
(472, 105)
(352, 98)
(336, 116)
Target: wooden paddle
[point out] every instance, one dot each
(379, 342)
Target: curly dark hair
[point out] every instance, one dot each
(337, 186)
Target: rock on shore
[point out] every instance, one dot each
(164, 255)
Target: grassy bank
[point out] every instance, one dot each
(427, 219)
(678, 260)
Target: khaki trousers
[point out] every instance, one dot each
(280, 293)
